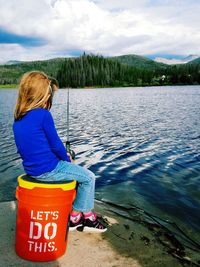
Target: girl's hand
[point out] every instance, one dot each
(69, 155)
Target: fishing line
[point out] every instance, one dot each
(67, 144)
(68, 115)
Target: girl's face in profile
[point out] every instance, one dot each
(54, 87)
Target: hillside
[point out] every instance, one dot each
(11, 73)
(139, 62)
(91, 70)
(195, 61)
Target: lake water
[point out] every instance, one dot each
(142, 143)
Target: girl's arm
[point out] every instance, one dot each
(54, 140)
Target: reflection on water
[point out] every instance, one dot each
(142, 143)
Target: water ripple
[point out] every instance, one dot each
(142, 144)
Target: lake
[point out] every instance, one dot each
(143, 144)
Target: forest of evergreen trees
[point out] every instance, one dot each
(91, 70)
(97, 71)
(186, 74)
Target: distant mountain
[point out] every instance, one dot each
(13, 62)
(139, 62)
(173, 61)
(10, 73)
(191, 58)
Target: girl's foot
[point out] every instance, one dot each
(92, 224)
(76, 221)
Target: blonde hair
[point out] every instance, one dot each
(35, 91)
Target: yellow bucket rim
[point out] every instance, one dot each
(30, 185)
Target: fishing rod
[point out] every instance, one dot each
(67, 144)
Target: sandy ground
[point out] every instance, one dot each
(84, 249)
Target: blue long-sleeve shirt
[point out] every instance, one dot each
(38, 143)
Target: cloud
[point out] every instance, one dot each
(9, 38)
(119, 5)
(111, 27)
(18, 52)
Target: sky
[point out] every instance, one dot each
(44, 29)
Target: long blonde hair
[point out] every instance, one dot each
(35, 91)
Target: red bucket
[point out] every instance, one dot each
(42, 218)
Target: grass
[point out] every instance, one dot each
(8, 86)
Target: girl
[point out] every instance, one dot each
(43, 153)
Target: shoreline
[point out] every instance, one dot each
(15, 86)
(133, 239)
(8, 86)
(125, 243)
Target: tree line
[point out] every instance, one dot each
(92, 70)
(11, 74)
(97, 71)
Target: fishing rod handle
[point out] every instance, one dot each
(69, 150)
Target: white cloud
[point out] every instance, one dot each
(17, 52)
(102, 26)
(115, 5)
